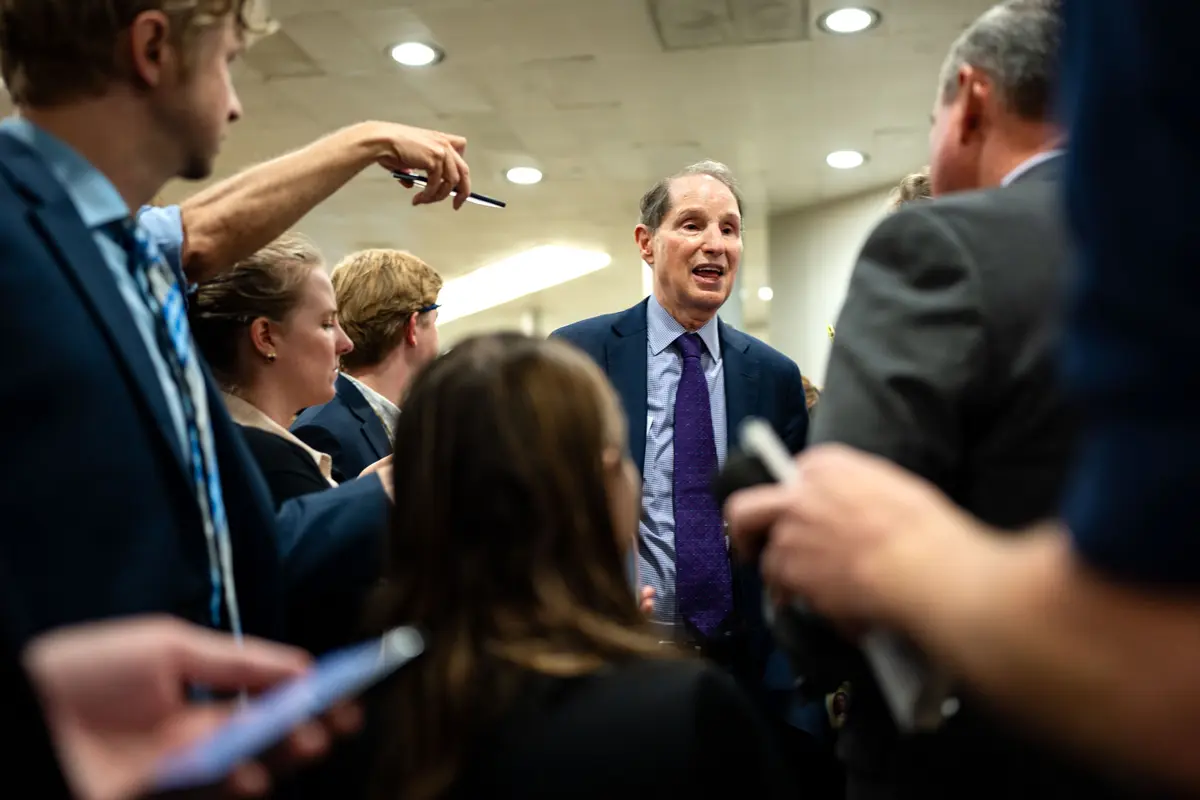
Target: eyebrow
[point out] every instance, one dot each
(728, 215)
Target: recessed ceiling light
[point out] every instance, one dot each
(765, 293)
(416, 54)
(526, 176)
(845, 159)
(848, 20)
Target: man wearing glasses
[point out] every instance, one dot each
(387, 304)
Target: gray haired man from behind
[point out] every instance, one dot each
(945, 362)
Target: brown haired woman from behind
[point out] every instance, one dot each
(516, 507)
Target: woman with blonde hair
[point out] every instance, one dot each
(269, 330)
(516, 507)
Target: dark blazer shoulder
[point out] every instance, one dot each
(317, 415)
(587, 328)
(619, 323)
(767, 355)
(288, 468)
(973, 218)
(267, 446)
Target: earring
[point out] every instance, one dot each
(271, 358)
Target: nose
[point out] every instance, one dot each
(235, 105)
(714, 240)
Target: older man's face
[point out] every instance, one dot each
(696, 250)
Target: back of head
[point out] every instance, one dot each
(1017, 44)
(916, 186)
(994, 109)
(504, 546)
(57, 51)
(267, 284)
(378, 292)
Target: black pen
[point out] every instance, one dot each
(479, 199)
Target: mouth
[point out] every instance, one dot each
(708, 274)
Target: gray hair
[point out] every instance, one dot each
(656, 203)
(1017, 44)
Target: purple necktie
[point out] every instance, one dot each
(702, 583)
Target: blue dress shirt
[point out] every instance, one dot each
(664, 368)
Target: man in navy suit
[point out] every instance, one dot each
(686, 381)
(387, 304)
(126, 488)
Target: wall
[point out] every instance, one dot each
(812, 253)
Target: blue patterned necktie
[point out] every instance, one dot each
(703, 583)
(162, 294)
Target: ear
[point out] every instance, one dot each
(262, 336)
(645, 242)
(151, 53)
(974, 95)
(410, 330)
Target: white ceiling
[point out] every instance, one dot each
(584, 90)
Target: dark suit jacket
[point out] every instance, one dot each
(759, 382)
(28, 757)
(289, 470)
(100, 517)
(346, 428)
(945, 362)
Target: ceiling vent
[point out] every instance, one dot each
(695, 24)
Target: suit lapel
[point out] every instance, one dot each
(59, 224)
(625, 363)
(376, 436)
(741, 380)
(371, 426)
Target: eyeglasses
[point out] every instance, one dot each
(430, 307)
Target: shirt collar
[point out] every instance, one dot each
(93, 195)
(383, 406)
(251, 416)
(1030, 163)
(662, 330)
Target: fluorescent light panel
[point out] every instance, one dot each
(517, 276)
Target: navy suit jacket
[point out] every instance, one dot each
(347, 429)
(1131, 342)
(759, 382)
(100, 516)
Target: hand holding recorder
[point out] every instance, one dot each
(818, 533)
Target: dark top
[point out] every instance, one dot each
(1132, 337)
(289, 469)
(653, 729)
(318, 621)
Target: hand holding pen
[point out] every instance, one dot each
(439, 155)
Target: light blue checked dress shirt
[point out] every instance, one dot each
(664, 368)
